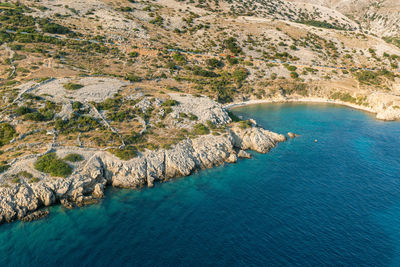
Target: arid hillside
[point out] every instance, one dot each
(377, 17)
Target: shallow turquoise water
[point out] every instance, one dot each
(335, 202)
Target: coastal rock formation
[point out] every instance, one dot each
(101, 169)
(244, 154)
(386, 106)
(292, 135)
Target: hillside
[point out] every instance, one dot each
(377, 17)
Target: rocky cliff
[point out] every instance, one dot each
(100, 169)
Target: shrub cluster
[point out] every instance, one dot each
(73, 157)
(53, 165)
(125, 153)
(7, 133)
(201, 129)
(72, 86)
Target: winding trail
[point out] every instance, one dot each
(114, 130)
(11, 56)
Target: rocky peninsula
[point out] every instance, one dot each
(223, 140)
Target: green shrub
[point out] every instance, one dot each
(169, 103)
(166, 146)
(4, 167)
(233, 117)
(73, 157)
(34, 180)
(34, 116)
(77, 105)
(201, 129)
(240, 74)
(7, 133)
(121, 115)
(22, 110)
(210, 124)
(110, 103)
(193, 117)
(72, 86)
(345, 97)
(204, 73)
(244, 124)
(133, 78)
(157, 21)
(38, 116)
(232, 60)
(16, 180)
(52, 165)
(133, 54)
(294, 75)
(321, 24)
(232, 45)
(54, 28)
(25, 174)
(178, 57)
(76, 124)
(125, 153)
(214, 63)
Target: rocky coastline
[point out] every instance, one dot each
(101, 169)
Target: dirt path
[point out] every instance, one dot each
(11, 56)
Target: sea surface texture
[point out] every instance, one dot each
(334, 202)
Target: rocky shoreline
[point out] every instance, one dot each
(100, 169)
(27, 201)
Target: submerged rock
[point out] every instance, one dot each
(36, 215)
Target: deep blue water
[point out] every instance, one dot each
(334, 202)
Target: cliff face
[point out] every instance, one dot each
(101, 169)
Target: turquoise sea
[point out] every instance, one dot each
(331, 203)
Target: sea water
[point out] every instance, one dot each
(332, 202)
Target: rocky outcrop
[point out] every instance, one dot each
(89, 180)
(36, 215)
(386, 106)
(292, 135)
(204, 108)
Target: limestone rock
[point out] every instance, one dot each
(180, 161)
(98, 190)
(36, 215)
(45, 195)
(232, 158)
(89, 179)
(255, 138)
(244, 154)
(203, 107)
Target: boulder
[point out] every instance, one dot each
(244, 154)
(292, 135)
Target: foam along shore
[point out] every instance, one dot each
(99, 169)
(386, 107)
